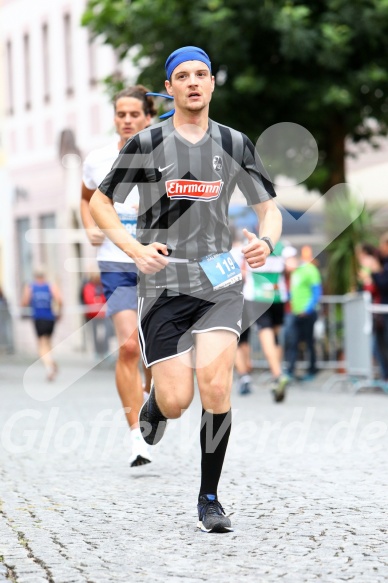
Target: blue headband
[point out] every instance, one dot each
(176, 58)
(169, 113)
(186, 54)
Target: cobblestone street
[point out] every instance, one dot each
(306, 481)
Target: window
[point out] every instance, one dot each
(92, 61)
(24, 251)
(10, 104)
(29, 134)
(46, 63)
(47, 250)
(27, 71)
(68, 54)
(117, 67)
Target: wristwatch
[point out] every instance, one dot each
(269, 243)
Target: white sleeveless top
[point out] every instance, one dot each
(96, 166)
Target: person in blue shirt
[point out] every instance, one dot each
(39, 296)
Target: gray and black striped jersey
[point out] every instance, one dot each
(184, 191)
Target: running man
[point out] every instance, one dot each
(40, 297)
(190, 288)
(243, 362)
(266, 294)
(133, 111)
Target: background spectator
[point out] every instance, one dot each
(45, 301)
(95, 310)
(6, 340)
(305, 292)
(379, 273)
(243, 361)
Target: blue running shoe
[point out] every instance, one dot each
(245, 389)
(245, 385)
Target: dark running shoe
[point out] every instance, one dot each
(278, 388)
(151, 420)
(211, 515)
(139, 460)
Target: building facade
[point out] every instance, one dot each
(54, 110)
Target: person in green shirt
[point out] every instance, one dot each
(305, 293)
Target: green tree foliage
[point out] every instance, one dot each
(322, 64)
(342, 266)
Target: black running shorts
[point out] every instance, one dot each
(245, 336)
(167, 323)
(272, 317)
(44, 327)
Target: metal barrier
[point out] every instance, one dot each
(19, 312)
(343, 338)
(6, 332)
(358, 335)
(328, 332)
(330, 339)
(75, 318)
(334, 331)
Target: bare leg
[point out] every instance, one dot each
(271, 351)
(147, 379)
(174, 385)
(273, 354)
(128, 378)
(215, 373)
(45, 354)
(243, 362)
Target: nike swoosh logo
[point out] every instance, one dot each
(165, 168)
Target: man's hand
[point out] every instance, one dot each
(151, 258)
(95, 236)
(256, 252)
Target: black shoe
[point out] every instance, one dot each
(152, 421)
(211, 515)
(139, 460)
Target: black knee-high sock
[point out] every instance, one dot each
(215, 431)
